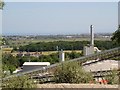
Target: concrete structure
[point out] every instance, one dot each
(90, 48)
(101, 68)
(104, 65)
(27, 66)
(17, 71)
(61, 56)
(70, 86)
(91, 36)
(96, 49)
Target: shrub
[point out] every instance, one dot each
(71, 73)
(113, 78)
(19, 82)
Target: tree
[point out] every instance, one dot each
(116, 36)
(66, 45)
(74, 54)
(10, 61)
(5, 41)
(1, 4)
(71, 72)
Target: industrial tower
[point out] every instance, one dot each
(89, 49)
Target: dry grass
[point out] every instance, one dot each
(7, 49)
(68, 51)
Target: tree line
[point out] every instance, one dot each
(65, 45)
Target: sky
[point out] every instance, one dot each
(119, 13)
(51, 18)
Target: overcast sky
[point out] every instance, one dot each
(46, 18)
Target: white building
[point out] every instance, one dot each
(27, 66)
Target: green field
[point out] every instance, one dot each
(28, 41)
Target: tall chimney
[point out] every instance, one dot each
(91, 36)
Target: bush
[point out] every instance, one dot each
(113, 78)
(19, 82)
(71, 73)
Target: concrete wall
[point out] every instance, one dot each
(68, 86)
(88, 50)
